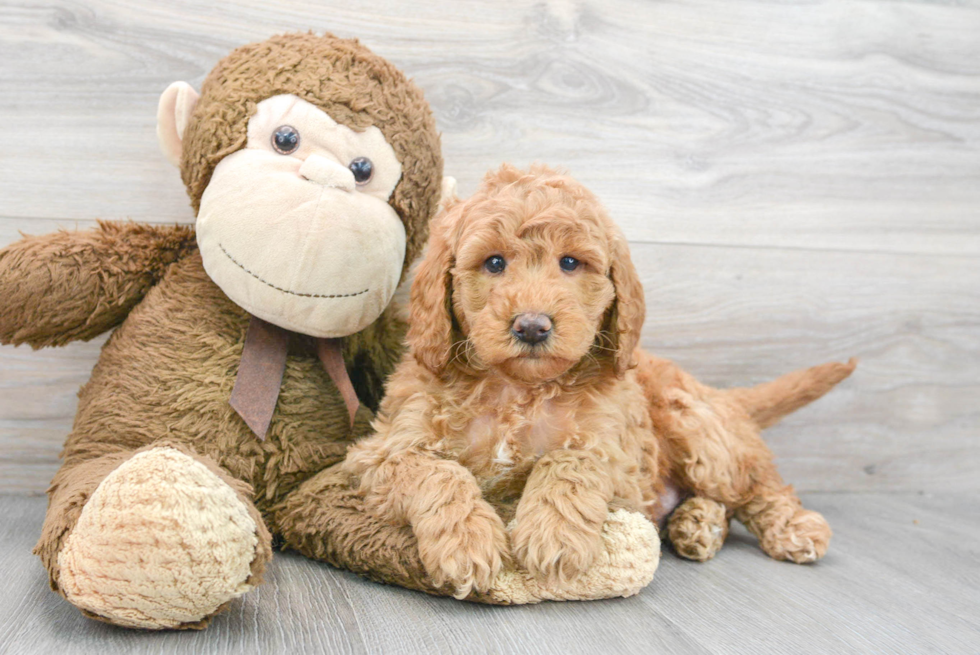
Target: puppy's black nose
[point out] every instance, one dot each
(531, 328)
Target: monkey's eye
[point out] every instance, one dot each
(495, 264)
(568, 264)
(362, 168)
(285, 140)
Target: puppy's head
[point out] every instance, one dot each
(528, 277)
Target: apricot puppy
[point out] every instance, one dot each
(516, 399)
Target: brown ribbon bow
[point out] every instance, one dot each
(261, 369)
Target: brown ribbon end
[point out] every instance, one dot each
(260, 375)
(332, 358)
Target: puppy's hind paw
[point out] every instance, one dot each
(698, 528)
(803, 539)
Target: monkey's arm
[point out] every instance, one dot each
(65, 286)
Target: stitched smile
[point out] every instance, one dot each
(294, 293)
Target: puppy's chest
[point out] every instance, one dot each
(501, 445)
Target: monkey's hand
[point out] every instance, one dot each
(66, 286)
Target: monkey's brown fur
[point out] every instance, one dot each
(165, 375)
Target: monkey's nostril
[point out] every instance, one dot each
(531, 328)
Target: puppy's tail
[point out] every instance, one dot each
(767, 403)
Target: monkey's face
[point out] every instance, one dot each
(296, 227)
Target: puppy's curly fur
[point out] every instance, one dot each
(478, 426)
(715, 451)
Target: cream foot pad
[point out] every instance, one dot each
(627, 565)
(162, 542)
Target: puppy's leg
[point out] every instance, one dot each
(785, 529)
(559, 517)
(718, 453)
(461, 539)
(698, 528)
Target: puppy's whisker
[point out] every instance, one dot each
(458, 350)
(605, 337)
(592, 359)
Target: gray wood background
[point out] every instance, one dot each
(800, 182)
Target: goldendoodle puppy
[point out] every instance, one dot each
(522, 397)
(516, 399)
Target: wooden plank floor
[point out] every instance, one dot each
(902, 576)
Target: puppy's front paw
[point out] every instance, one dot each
(466, 552)
(551, 547)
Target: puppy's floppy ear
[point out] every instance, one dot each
(629, 308)
(430, 331)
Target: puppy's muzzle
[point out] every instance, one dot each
(531, 329)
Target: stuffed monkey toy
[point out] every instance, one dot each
(249, 352)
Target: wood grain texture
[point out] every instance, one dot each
(799, 181)
(901, 577)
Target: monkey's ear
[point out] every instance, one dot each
(173, 113)
(448, 197)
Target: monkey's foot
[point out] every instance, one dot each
(698, 528)
(626, 564)
(162, 543)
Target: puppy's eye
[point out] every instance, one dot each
(362, 168)
(568, 264)
(495, 264)
(285, 140)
